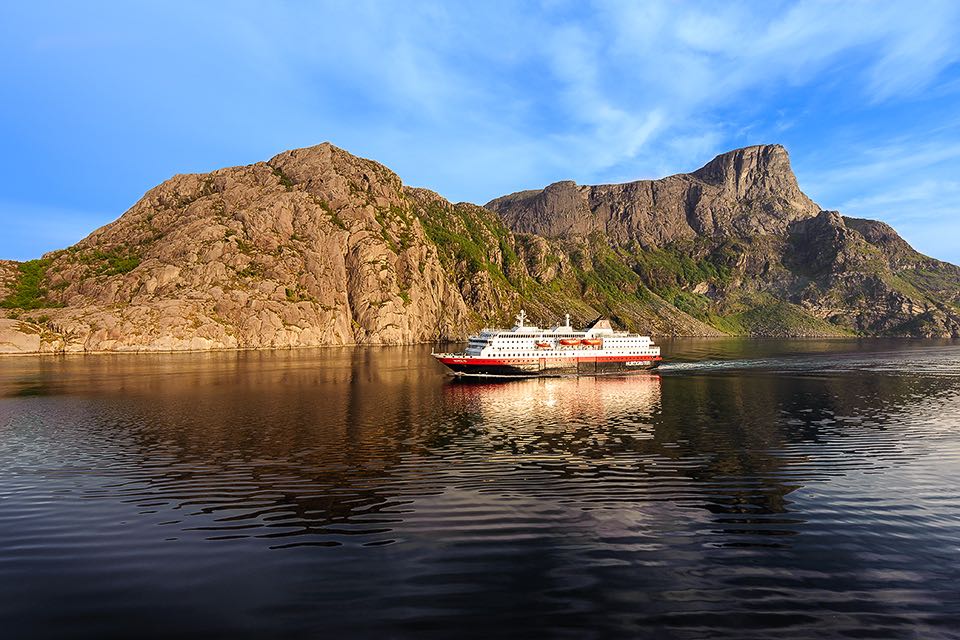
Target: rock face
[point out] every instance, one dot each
(314, 247)
(319, 247)
(738, 245)
(744, 192)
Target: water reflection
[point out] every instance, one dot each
(711, 501)
(286, 447)
(570, 416)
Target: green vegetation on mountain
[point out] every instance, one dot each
(29, 289)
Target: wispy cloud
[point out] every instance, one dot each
(908, 181)
(901, 158)
(614, 88)
(925, 213)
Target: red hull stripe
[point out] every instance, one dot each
(512, 361)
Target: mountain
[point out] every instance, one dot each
(744, 193)
(736, 244)
(319, 247)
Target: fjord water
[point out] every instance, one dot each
(747, 489)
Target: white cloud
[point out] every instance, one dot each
(597, 89)
(898, 158)
(927, 200)
(622, 90)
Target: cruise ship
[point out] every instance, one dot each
(527, 350)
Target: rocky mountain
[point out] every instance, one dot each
(319, 247)
(744, 193)
(737, 245)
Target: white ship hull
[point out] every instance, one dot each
(526, 351)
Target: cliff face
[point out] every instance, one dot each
(745, 192)
(738, 245)
(319, 247)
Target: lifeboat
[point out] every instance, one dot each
(543, 345)
(592, 342)
(569, 342)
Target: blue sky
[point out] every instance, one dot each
(103, 100)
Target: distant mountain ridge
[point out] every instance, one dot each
(319, 247)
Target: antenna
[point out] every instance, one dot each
(521, 317)
(568, 319)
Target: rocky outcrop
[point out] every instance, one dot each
(8, 277)
(319, 247)
(861, 274)
(745, 192)
(314, 247)
(19, 337)
(738, 244)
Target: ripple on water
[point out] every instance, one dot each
(807, 492)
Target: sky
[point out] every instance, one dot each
(103, 100)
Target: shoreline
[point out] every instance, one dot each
(659, 340)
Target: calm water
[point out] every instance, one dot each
(750, 489)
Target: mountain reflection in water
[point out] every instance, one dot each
(804, 486)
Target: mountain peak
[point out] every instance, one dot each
(742, 192)
(310, 166)
(759, 172)
(747, 162)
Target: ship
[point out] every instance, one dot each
(529, 351)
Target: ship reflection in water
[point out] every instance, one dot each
(574, 409)
(747, 489)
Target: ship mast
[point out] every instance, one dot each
(521, 317)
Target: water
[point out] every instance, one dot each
(788, 489)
